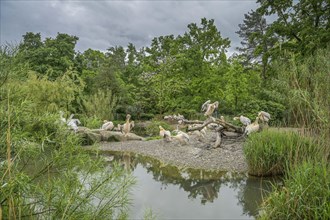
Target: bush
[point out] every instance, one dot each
(271, 152)
(91, 122)
(305, 194)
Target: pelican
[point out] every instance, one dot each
(200, 135)
(209, 108)
(107, 125)
(126, 128)
(203, 131)
(164, 133)
(252, 127)
(264, 116)
(182, 137)
(73, 124)
(204, 106)
(244, 120)
(217, 142)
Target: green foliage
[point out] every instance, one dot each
(185, 71)
(303, 25)
(307, 82)
(52, 57)
(54, 95)
(100, 105)
(44, 171)
(92, 122)
(305, 194)
(272, 152)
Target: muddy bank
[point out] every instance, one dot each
(198, 154)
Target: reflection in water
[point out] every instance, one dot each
(191, 193)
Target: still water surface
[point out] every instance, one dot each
(178, 193)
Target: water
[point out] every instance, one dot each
(174, 193)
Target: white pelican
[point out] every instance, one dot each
(217, 142)
(203, 131)
(73, 124)
(108, 125)
(165, 134)
(252, 127)
(244, 120)
(126, 128)
(264, 116)
(182, 137)
(209, 108)
(204, 106)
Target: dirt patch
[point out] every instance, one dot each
(198, 154)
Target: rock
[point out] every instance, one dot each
(91, 136)
(88, 136)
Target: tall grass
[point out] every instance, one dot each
(305, 195)
(272, 152)
(306, 81)
(303, 159)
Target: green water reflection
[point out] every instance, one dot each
(190, 193)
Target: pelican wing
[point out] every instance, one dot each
(204, 106)
(245, 120)
(216, 104)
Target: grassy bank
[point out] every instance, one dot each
(304, 163)
(305, 194)
(272, 152)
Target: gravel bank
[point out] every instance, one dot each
(198, 154)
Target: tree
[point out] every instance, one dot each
(60, 54)
(256, 42)
(52, 57)
(303, 25)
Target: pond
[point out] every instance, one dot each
(181, 193)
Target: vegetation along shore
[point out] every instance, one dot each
(181, 100)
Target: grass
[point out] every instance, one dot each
(272, 152)
(304, 162)
(305, 195)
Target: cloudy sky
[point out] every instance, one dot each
(100, 24)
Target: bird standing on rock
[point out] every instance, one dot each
(126, 128)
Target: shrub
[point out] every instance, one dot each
(91, 122)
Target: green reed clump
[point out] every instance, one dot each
(271, 152)
(305, 194)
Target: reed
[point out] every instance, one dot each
(272, 152)
(305, 194)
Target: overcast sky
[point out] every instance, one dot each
(100, 24)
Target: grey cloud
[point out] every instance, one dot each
(101, 24)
